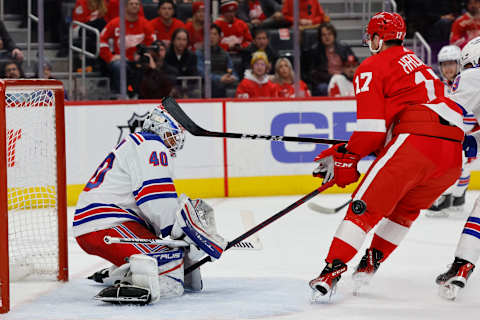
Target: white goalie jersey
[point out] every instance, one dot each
(465, 93)
(133, 183)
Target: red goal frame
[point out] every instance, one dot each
(57, 88)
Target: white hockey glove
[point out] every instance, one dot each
(325, 169)
(196, 225)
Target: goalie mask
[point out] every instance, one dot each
(162, 124)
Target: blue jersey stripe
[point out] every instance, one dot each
(473, 219)
(472, 233)
(166, 231)
(156, 196)
(108, 215)
(95, 205)
(152, 181)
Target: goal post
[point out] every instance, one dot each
(33, 202)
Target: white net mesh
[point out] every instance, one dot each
(32, 181)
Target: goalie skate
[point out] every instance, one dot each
(367, 267)
(325, 284)
(455, 279)
(124, 293)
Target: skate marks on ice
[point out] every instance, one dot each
(222, 298)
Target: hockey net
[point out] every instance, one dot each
(32, 183)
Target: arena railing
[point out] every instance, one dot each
(422, 49)
(82, 51)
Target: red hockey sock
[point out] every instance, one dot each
(341, 250)
(383, 245)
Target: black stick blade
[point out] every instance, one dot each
(178, 114)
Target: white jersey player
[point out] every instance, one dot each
(466, 94)
(132, 195)
(453, 199)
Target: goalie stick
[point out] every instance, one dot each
(178, 114)
(244, 245)
(322, 209)
(265, 223)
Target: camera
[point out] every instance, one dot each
(142, 49)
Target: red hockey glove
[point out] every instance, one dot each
(339, 164)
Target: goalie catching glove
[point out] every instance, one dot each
(337, 164)
(195, 224)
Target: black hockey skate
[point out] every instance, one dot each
(124, 293)
(455, 279)
(99, 276)
(459, 201)
(326, 282)
(440, 207)
(366, 268)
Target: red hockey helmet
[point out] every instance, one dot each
(387, 25)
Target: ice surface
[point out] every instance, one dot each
(273, 283)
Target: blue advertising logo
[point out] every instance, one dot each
(319, 121)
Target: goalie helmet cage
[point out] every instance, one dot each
(33, 206)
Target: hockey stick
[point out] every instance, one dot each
(321, 209)
(244, 245)
(265, 223)
(178, 114)
(168, 243)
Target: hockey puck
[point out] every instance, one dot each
(359, 207)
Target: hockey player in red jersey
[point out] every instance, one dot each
(132, 195)
(404, 118)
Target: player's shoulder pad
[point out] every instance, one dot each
(141, 137)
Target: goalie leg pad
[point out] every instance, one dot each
(144, 271)
(171, 273)
(193, 226)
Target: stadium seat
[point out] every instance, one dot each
(309, 38)
(281, 39)
(150, 10)
(184, 11)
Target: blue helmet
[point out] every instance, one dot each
(162, 124)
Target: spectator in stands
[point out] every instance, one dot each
(467, 26)
(155, 71)
(324, 60)
(113, 7)
(222, 73)
(138, 31)
(260, 43)
(284, 79)
(8, 48)
(92, 13)
(264, 14)
(165, 24)
(341, 85)
(236, 34)
(256, 83)
(311, 13)
(12, 70)
(184, 61)
(178, 55)
(195, 26)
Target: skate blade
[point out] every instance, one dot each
(449, 291)
(437, 214)
(318, 298)
(360, 280)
